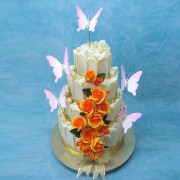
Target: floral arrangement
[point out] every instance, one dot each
(91, 124)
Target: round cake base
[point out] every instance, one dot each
(69, 160)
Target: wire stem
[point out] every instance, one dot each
(62, 110)
(89, 38)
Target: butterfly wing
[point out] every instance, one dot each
(62, 98)
(130, 119)
(121, 114)
(66, 62)
(52, 99)
(94, 20)
(57, 66)
(132, 84)
(82, 21)
(123, 76)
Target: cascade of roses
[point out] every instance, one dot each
(91, 124)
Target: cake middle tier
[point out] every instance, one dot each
(77, 83)
(72, 110)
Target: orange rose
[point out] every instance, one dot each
(101, 130)
(95, 120)
(97, 145)
(98, 81)
(98, 95)
(90, 76)
(79, 122)
(96, 155)
(79, 143)
(84, 147)
(87, 134)
(87, 106)
(103, 108)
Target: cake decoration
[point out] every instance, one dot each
(93, 119)
(57, 66)
(92, 77)
(121, 115)
(91, 124)
(129, 120)
(131, 83)
(53, 101)
(84, 23)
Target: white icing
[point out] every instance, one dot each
(95, 57)
(115, 108)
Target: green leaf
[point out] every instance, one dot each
(103, 75)
(78, 134)
(82, 114)
(104, 117)
(106, 122)
(75, 132)
(87, 92)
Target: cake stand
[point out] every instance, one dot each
(69, 160)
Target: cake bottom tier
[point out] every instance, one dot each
(113, 140)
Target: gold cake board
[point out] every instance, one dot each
(69, 160)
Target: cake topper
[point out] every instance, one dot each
(84, 23)
(57, 66)
(131, 83)
(53, 101)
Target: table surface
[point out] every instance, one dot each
(143, 35)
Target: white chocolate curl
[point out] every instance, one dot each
(95, 57)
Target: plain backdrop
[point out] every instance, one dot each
(143, 35)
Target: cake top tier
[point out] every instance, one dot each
(95, 57)
(95, 49)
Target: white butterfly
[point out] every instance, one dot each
(53, 101)
(131, 83)
(57, 66)
(84, 23)
(129, 120)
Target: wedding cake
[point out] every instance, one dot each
(104, 102)
(92, 119)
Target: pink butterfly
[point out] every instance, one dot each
(84, 23)
(129, 120)
(131, 83)
(57, 66)
(121, 115)
(53, 101)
